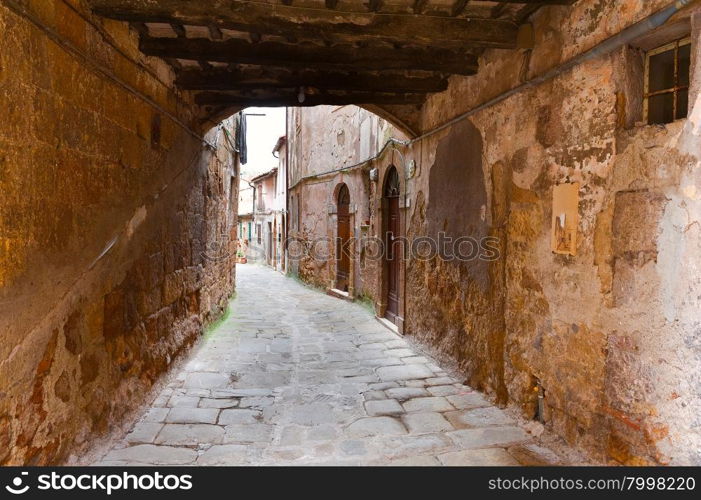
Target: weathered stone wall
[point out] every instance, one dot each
(610, 334)
(605, 331)
(115, 224)
(327, 138)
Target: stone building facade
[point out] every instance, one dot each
(262, 246)
(351, 134)
(116, 217)
(589, 187)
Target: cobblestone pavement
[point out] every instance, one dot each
(297, 377)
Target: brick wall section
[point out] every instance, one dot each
(89, 169)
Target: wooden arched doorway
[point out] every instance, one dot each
(343, 239)
(393, 248)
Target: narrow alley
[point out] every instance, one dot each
(407, 232)
(294, 376)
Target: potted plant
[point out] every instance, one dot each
(241, 257)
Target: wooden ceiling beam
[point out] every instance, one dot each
(292, 99)
(419, 6)
(318, 24)
(458, 7)
(265, 77)
(374, 5)
(214, 32)
(178, 29)
(312, 56)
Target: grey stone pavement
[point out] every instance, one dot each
(295, 377)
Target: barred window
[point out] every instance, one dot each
(667, 82)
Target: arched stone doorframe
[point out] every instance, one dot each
(380, 202)
(333, 204)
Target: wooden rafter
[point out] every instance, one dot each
(319, 24)
(312, 56)
(292, 99)
(458, 7)
(265, 77)
(288, 53)
(419, 6)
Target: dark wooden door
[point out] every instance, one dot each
(343, 240)
(393, 255)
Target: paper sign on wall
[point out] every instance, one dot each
(565, 218)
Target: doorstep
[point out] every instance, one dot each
(388, 324)
(339, 294)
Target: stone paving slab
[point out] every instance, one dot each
(294, 376)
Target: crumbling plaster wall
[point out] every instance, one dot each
(326, 138)
(114, 229)
(611, 333)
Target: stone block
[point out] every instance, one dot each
(374, 395)
(148, 454)
(383, 407)
(256, 402)
(225, 454)
(248, 433)
(468, 400)
(427, 422)
(404, 393)
(428, 404)
(144, 432)
(173, 287)
(192, 416)
(207, 380)
(442, 390)
(221, 403)
(239, 416)
(636, 220)
(190, 434)
(486, 437)
(183, 401)
(495, 457)
(403, 372)
(399, 353)
(156, 415)
(479, 417)
(375, 426)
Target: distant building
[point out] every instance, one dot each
(279, 260)
(262, 235)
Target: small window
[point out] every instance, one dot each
(259, 233)
(667, 82)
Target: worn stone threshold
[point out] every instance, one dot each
(340, 294)
(388, 324)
